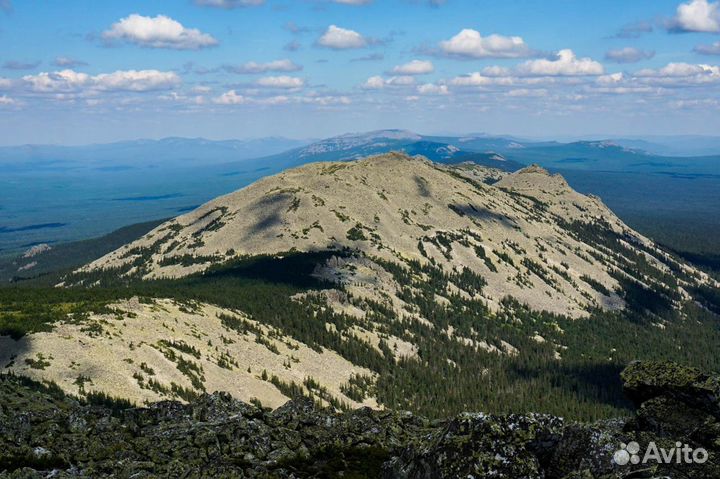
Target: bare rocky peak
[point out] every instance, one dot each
(523, 233)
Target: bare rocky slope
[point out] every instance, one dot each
(517, 232)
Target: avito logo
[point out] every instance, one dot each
(630, 453)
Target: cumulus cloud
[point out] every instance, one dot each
(628, 55)
(676, 74)
(415, 67)
(697, 16)
(70, 81)
(432, 89)
(470, 44)
(283, 81)
(374, 83)
(228, 4)
(496, 71)
(7, 101)
(377, 82)
(158, 32)
(565, 63)
(477, 79)
(712, 49)
(230, 98)
(273, 66)
(341, 39)
(611, 79)
(67, 62)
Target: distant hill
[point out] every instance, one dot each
(139, 153)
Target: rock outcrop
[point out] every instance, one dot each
(46, 434)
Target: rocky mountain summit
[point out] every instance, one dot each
(45, 434)
(528, 234)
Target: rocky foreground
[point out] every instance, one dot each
(44, 434)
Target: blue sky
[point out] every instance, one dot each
(76, 71)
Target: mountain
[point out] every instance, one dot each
(409, 209)
(358, 145)
(43, 188)
(386, 282)
(680, 145)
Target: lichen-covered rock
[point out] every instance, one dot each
(478, 445)
(44, 433)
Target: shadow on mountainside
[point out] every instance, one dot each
(291, 269)
(270, 210)
(482, 214)
(592, 382)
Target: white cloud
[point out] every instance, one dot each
(7, 101)
(628, 55)
(374, 83)
(415, 67)
(611, 79)
(378, 82)
(134, 80)
(60, 81)
(697, 16)
(477, 79)
(432, 89)
(228, 4)
(273, 66)
(678, 74)
(158, 32)
(230, 98)
(284, 81)
(470, 44)
(712, 49)
(565, 63)
(70, 81)
(496, 71)
(341, 39)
